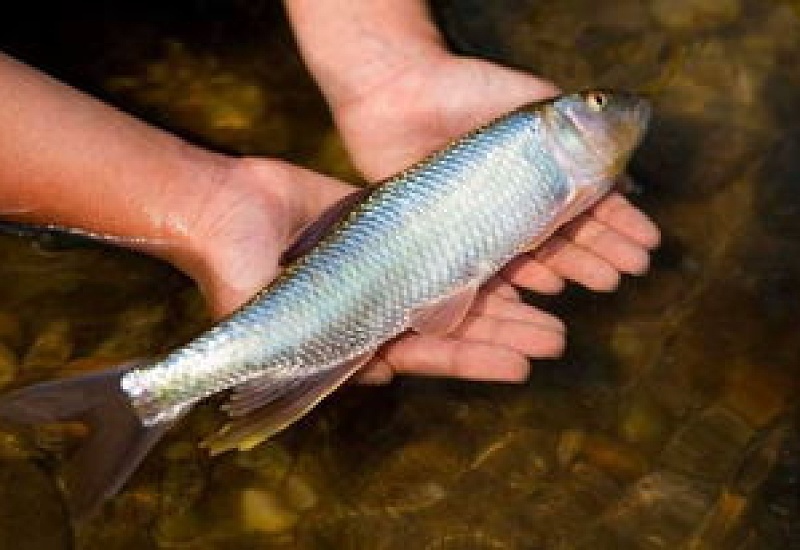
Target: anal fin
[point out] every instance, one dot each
(262, 409)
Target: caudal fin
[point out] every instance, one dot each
(117, 441)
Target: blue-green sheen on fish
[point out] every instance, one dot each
(409, 255)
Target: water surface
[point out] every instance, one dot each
(672, 422)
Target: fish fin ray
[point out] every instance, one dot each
(445, 315)
(577, 205)
(287, 403)
(117, 441)
(313, 233)
(257, 393)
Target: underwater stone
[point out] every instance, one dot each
(659, 511)
(403, 482)
(268, 460)
(136, 333)
(721, 526)
(613, 457)
(263, 511)
(759, 394)
(51, 348)
(643, 421)
(760, 459)
(14, 447)
(10, 329)
(32, 514)
(693, 15)
(709, 445)
(576, 499)
(8, 365)
(519, 459)
(299, 493)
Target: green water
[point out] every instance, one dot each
(672, 422)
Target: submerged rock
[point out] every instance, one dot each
(8, 365)
(32, 514)
(263, 511)
(138, 331)
(51, 348)
(659, 511)
(692, 15)
(10, 329)
(710, 445)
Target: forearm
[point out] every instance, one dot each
(68, 159)
(352, 47)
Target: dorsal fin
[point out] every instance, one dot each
(330, 217)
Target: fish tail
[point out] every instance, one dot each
(116, 443)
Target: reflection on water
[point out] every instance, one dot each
(671, 423)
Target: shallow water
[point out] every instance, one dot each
(672, 422)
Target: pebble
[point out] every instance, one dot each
(721, 524)
(693, 15)
(51, 348)
(709, 445)
(10, 329)
(299, 493)
(263, 511)
(8, 365)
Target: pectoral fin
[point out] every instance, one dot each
(579, 203)
(445, 315)
(265, 407)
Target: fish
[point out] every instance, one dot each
(409, 253)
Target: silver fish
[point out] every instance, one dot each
(410, 253)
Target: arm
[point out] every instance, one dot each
(68, 159)
(71, 160)
(354, 47)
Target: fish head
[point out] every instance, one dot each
(593, 133)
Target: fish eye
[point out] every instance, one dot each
(597, 101)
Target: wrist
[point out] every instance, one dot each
(182, 217)
(232, 218)
(353, 48)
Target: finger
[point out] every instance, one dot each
(529, 339)
(379, 371)
(619, 214)
(500, 308)
(376, 372)
(526, 272)
(497, 286)
(621, 252)
(435, 356)
(577, 264)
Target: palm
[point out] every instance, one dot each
(420, 111)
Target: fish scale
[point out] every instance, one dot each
(419, 237)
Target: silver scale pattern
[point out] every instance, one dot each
(458, 216)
